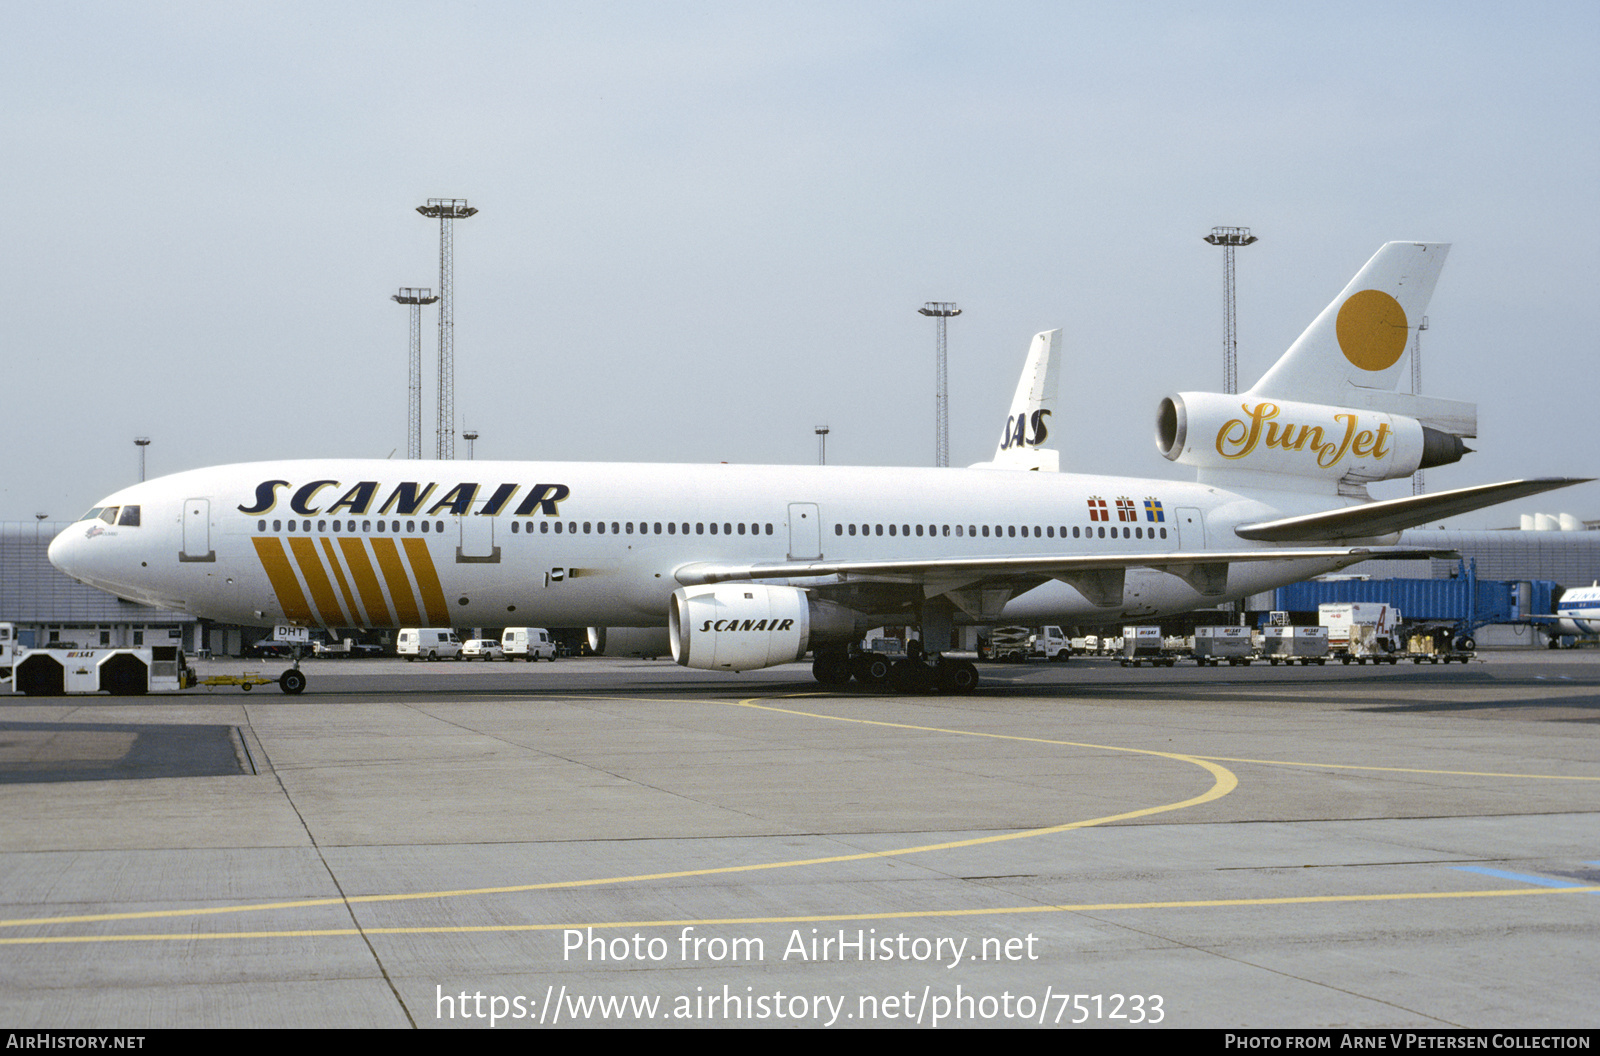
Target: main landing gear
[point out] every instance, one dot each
(912, 674)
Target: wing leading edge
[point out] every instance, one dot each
(981, 585)
(1394, 515)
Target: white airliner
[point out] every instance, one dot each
(752, 566)
(1579, 610)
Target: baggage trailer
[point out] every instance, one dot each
(1212, 645)
(1144, 645)
(1295, 645)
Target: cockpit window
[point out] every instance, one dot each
(129, 518)
(109, 514)
(92, 514)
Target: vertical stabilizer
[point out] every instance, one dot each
(1026, 432)
(1358, 341)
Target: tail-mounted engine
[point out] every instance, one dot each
(1214, 431)
(745, 626)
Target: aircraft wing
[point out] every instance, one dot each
(1042, 566)
(1393, 515)
(977, 584)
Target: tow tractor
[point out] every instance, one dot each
(65, 669)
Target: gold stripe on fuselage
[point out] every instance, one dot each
(316, 577)
(284, 584)
(427, 581)
(394, 575)
(355, 555)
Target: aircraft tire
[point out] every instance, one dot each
(873, 670)
(292, 682)
(957, 676)
(831, 669)
(910, 676)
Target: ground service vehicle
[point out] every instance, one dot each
(527, 643)
(428, 643)
(481, 649)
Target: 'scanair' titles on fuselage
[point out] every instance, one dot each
(408, 498)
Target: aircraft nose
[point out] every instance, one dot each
(63, 552)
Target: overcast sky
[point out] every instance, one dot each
(705, 228)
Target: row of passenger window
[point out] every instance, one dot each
(352, 526)
(545, 526)
(646, 528)
(1000, 531)
(973, 531)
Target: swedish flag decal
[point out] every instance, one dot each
(1153, 510)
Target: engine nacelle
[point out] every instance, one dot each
(1215, 431)
(744, 626)
(739, 626)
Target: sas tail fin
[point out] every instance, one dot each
(1027, 429)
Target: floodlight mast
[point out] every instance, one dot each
(415, 297)
(447, 211)
(1229, 238)
(941, 310)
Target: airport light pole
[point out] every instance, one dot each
(469, 436)
(941, 310)
(414, 297)
(822, 445)
(447, 211)
(141, 442)
(1229, 238)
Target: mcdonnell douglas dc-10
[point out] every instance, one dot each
(748, 567)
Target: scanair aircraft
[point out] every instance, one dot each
(746, 567)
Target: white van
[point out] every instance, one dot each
(427, 643)
(529, 643)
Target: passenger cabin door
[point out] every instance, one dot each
(197, 531)
(477, 537)
(805, 532)
(1191, 529)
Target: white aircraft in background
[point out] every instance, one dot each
(748, 567)
(1579, 615)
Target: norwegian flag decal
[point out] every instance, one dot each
(1125, 509)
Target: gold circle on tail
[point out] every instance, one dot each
(1372, 330)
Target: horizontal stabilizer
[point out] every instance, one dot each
(1394, 515)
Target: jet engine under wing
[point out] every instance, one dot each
(1393, 515)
